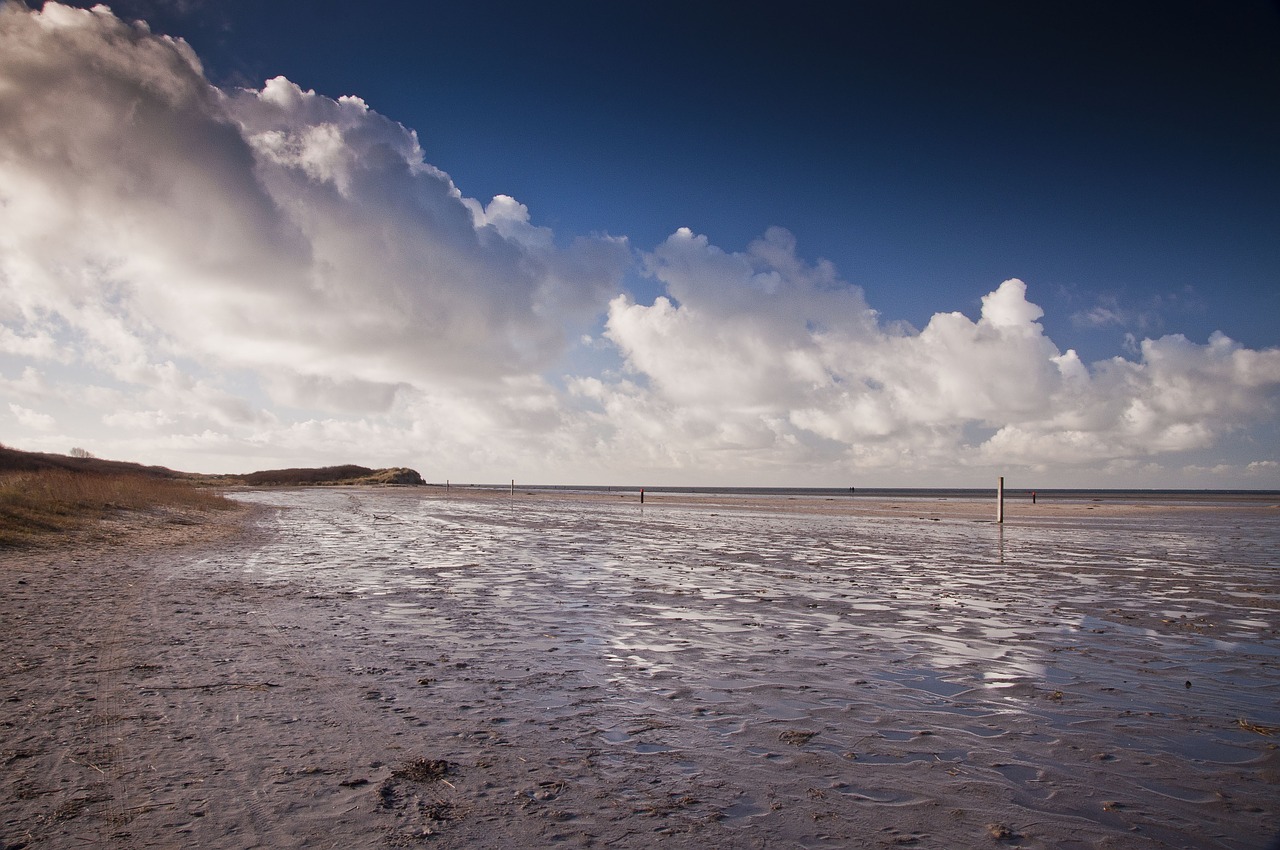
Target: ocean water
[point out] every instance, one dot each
(1109, 496)
(1135, 654)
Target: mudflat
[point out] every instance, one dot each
(400, 667)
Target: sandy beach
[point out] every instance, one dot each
(404, 667)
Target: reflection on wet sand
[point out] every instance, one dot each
(820, 677)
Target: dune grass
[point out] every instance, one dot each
(45, 502)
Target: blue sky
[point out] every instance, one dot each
(1117, 159)
(1113, 154)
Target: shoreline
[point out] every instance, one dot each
(978, 507)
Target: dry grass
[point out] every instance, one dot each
(48, 501)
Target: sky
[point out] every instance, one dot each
(812, 244)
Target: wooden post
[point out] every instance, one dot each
(1000, 501)
(642, 495)
(513, 487)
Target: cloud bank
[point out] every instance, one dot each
(226, 279)
(760, 356)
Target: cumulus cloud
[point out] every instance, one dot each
(145, 213)
(757, 359)
(222, 279)
(29, 418)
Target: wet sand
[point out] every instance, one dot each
(402, 667)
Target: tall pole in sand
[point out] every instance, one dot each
(1000, 500)
(513, 488)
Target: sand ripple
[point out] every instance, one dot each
(588, 672)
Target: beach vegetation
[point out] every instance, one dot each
(42, 502)
(348, 474)
(317, 475)
(42, 494)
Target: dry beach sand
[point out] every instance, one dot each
(405, 667)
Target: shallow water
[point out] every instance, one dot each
(1084, 682)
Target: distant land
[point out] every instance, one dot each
(15, 460)
(330, 476)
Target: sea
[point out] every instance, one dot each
(1114, 496)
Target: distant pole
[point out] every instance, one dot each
(446, 485)
(642, 495)
(513, 487)
(1000, 500)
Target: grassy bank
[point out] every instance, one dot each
(44, 502)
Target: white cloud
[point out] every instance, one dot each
(761, 360)
(150, 213)
(233, 279)
(138, 420)
(29, 418)
(38, 344)
(29, 385)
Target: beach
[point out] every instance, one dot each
(372, 667)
